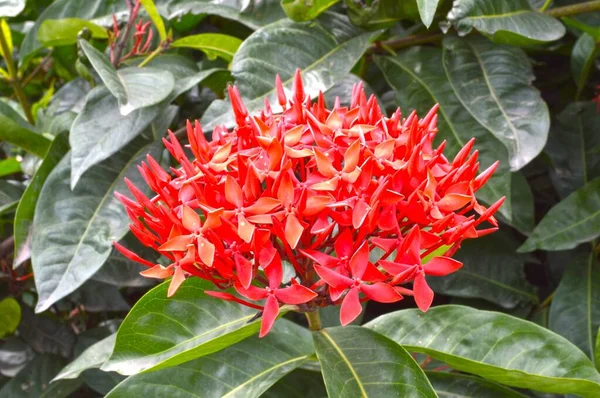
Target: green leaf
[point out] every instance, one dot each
(10, 316)
(245, 370)
(100, 130)
(97, 296)
(575, 308)
(20, 133)
(212, 44)
(45, 333)
(572, 221)
(597, 350)
(584, 53)
(9, 166)
(492, 270)
(381, 13)
(26, 207)
(91, 358)
(357, 362)
(75, 230)
(427, 10)
(496, 346)
(302, 10)
(150, 8)
(158, 331)
(309, 47)
(10, 194)
(14, 356)
(512, 22)
(11, 8)
(63, 32)
(134, 87)
(465, 386)
(300, 383)
(494, 83)
(574, 147)
(5, 30)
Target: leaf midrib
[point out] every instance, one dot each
(346, 361)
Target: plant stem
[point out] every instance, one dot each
(581, 8)
(151, 56)
(314, 320)
(14, 78)
(546, 5)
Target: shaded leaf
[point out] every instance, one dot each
(464, 386)
(381, 13)
(91, 358)
(301, 10)
(496, 346)
(575, 308)
(20, 133)
(584, 53)
(46, 334)
(427, 10)
(512, 22)
(212, 44)
(62, 32)
(26, 207)
(245, 370)
(494, 83)
(357, 362)
(572, 221)
(159, 333)
(299, 383)
(10, 316)
(14, 356)
(96, 296)
(10, 193)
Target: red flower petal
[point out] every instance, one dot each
(344, 244)
(178, 278)
(233, 192)
(423, 293)
(360, 260)
(380, 292)
(190, 219)
(333, 278)
(252, 292)
(178, 243)
(269, 315)
(243, 268)
(351, 307)
(158, 272)
(295, 294)
(293, 230)
(454, 201)
(441, 266)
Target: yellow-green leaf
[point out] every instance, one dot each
(63, 32)
(156, 18)
(212, 44)
(10, 316)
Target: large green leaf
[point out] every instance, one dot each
(46, 334)
(11, 8)
(493, 345)
(100, 131)
(427, 10)
(357, 362)
(134, 87)
(325, 60)
(244, 370)
(159, 331)
(512, 22)
(302, 10)
(212, 44)
(91, 358)
(10, 316)
(300, 383)
(381, 13)
(465, 386)
(574, 147)
(493, 82)
(572, 221)
(74, 230)
(584, 53)
(62, 32)
(14, 356)
(26, 207)
(20, 133)
(491, 270)
(575, 309)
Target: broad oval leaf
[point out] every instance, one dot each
(584, 53)
(493, 345)
(10, 316)
(491, 270)
(512, 22)
(325, 60)
(11, 8)
(381, 13)
(212, 44)
(62, 32)
(244, 370)
(464, 386)
(134, 87)
(572, 221)
(573, 147)
(91, 358)
(357, 362)
(575, 308)
(74, 230)
(494, 83)
(159, 331)
(301, 10)
(20, 133)
(427, 10)
(26, 207)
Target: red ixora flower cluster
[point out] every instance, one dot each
(313, 191)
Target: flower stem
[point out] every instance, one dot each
(314, 320)
(14, 78)
(151, 56)
(580, 8)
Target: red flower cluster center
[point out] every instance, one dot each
(345, 201)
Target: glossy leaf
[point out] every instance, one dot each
(575, 309)
(20, 133)
(493, 345)
(159, 333)
(10, 316)
(91, 358)
(11, 8)
(512, 22)
(74, 230)
(97, 296)
(26, 207)
(150, 8)
(301, 10)
(320, 50)
(572, 221)
(491, 270)
(62, 32)
(494, 83)
(427, 10)
(46, 334)
(212, 44)
(300, 383)
(357, 362)
(573, 147)
(381, 13)
(133, 87)
(465, 386)
(584, 53)
(245, 370)
(9, 166)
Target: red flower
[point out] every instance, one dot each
(317, 189)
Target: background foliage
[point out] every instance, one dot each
(519, 75)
